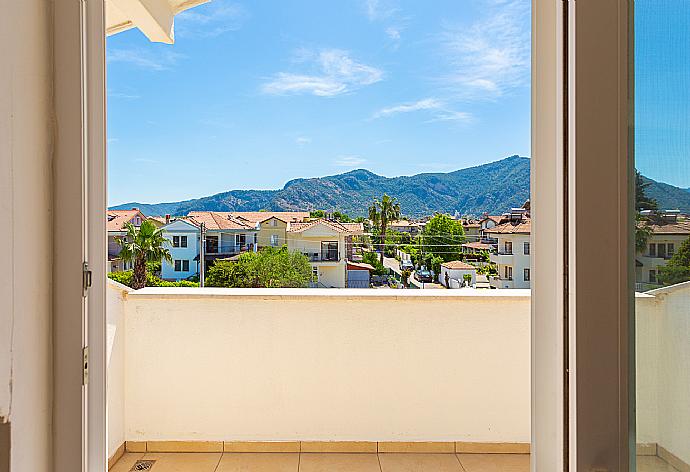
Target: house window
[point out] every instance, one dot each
(178, 265)
(240, 239)
(652, 276)
(176, 241)
(138, 221)
(185, 266)
(314, 274)
(652, 250)
(525, 249)
(509, 272)
(526, 275)
(183, 241)
(661, 251)
(670, 250)
(508, 247)
(274, 240)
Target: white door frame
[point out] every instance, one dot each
(593, 168)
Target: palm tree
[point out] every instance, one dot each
(381, 213)
(140, 246)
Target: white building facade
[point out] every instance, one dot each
(513, 256)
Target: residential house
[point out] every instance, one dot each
(328, 245)
(225, 236)
(472, 230)
(272, 225)
(359, 274)
(668, 232)
(183, 243)
(487, 222)
(513, 255)
(405, 226)
(453, 274)
(115, 225)
(474, 251)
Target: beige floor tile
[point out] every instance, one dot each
(653, 464)
(258, 462)
(184, 461)
(334, 462)
(495, 462)
(126, 461)
(407, 462)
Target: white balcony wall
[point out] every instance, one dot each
(115, 316)
(223, 364)
(663, 369)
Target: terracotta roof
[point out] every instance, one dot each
(495, 218)
(471, 225)
(478, 245)
(458, 265)
(523, 227)
(360, 265)
(217, 220)
(259, 216)
(681, 227)
(347, 228)
(118, 218)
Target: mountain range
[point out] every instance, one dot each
(492, 188)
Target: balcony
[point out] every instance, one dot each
(324, 255)
(502, 258)
(226, 249)
(251, 370)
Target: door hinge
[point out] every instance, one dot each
(85, 365)
(86, 278)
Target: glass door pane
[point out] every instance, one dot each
(662, 234)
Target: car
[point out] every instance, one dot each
(423, 275)
(406, 265)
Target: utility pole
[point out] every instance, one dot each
(202, 254)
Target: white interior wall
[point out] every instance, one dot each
(26, 116)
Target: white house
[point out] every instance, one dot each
(328, 245)
(513, 255)
(453, 274)
(668, 232)
(183, 244)
(115, 225)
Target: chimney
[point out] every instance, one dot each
(135, 209)
(167, 219)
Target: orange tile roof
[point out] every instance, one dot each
(217, 220)
(118, 218)
(477, 245)
(682, 227)
(523, 227)
(259, 216)
(458, 265)
(348, 228)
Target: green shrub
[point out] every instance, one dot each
(126, 277)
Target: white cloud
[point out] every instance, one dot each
(302, 140)
(426, 104)
(379, 9)
(123, 95)
(439, 109)
(211, 20)
(336, 73)
(491, 56)
(349, 161)
(155, 58)
(393, 33)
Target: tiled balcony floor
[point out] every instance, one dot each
(315, 462)
(330, 462)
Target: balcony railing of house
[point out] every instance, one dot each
(227, 249)
(314, 255)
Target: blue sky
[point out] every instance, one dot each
(253, 94)
(662, 90)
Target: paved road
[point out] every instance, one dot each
(392, 263)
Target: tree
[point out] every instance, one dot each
(381, 213)
(642, 201)
(468, 279)
(371, 259)
(142, 245)
(677, 269)
(443, 238)
(269, 268)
